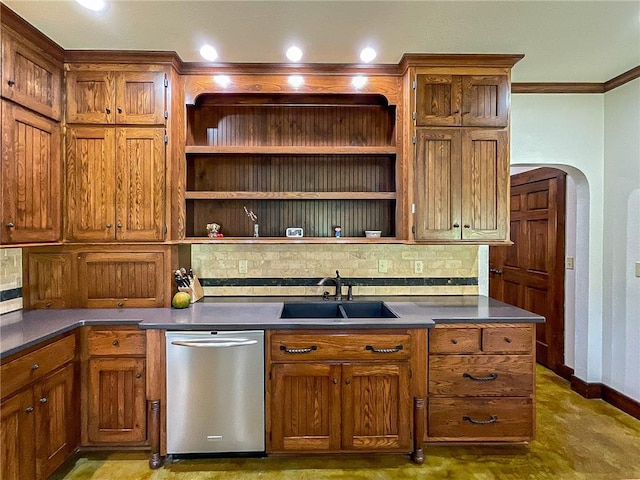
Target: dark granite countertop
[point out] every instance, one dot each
(23, 329)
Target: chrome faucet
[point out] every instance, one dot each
(337, 282)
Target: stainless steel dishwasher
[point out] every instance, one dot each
(215, 392)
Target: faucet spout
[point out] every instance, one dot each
(337, 281)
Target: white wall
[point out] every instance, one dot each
(621, 296)
(567, 131)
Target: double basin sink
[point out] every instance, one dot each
(339, 310)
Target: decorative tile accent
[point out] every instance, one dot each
(10, 279)
(290, 269)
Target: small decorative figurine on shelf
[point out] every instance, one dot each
(254, 218)
(337, 231)
(213, 230)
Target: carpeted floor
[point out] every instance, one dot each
(576, 439)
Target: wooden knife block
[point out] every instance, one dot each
(195, 290)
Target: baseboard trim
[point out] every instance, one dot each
(606, 393)
(565, 372)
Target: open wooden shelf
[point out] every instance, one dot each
(290, 150)
(290, 195)
(272, 240)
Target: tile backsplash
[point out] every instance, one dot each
(10, 279)
(294, 269)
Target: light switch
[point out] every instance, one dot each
(570, 263)
(383, 266)
(242, 266)
(418, 266)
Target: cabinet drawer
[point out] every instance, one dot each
(507, 339)
(116, 342)
(306, 346)
(32, 366)
(477, 419)
(454, 340)
(478, 375)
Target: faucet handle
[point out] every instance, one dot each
(349, 292)
(325, 295)
(337, 273)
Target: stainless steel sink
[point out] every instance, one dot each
(336, 310)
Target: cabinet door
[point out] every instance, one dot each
(485, 100)
(485, 180)
(305, 407)
(30, 177)
(91, 97)
(90, 183)
(140, 184)
(140, 98)
(56, 420)
(438, 187)
(438, 100)
(131, 279)
(51, 279)
(17, 437)
(376, 407)
(116, 401)
(31, 78)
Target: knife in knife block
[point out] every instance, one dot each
(195, 290)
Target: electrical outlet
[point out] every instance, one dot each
(569, 263)
(383, 266)
(242, 266)
(418, 266)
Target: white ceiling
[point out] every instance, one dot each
(563, 41)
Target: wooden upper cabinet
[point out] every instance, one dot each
(30, 77)
(31, 163)
(461, 180)
(113, 97)
(50, 279)
(462, 100)
(115, 184)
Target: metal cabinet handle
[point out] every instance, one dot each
(348, 382)
(35, 366)
(138, 375)
(493, 419)
(120, 304)
(298, 350)
(11, 82)
(116, 343)
(467, 226)
(335, 381)
(48, 305)
(119, 109)
(108, 110)
(497, 271)
(508, 340)
(395, 349)
(488, 378)
(10, 225)
(28, 409)
(454, 341)
(108, 225)
(44, 400)
(456, 225)
(119, 225)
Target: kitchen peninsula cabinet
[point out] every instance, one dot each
(339, 391)
(114, 403)
(99, 96)
(481, 383)
(115, 184)
(31, 176)
(38, 422)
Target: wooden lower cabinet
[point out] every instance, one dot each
(328, 404)
(481, 383)
(117, 405)
(114, 380)
(39, 423)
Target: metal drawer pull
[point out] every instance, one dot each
(491, 376)
(454, 341)
(507, 339)
(28, 409)
(384, 350)
(298, 350)
(115, 343)
(44, 400)
(493, 419)
(35, 366)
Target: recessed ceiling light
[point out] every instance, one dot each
(359, 81)
(296, 81)
(367, 54)
(95, 5)
(294, 54)
(222, 80)
(208, 53)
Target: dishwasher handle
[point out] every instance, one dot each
(215, 343)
